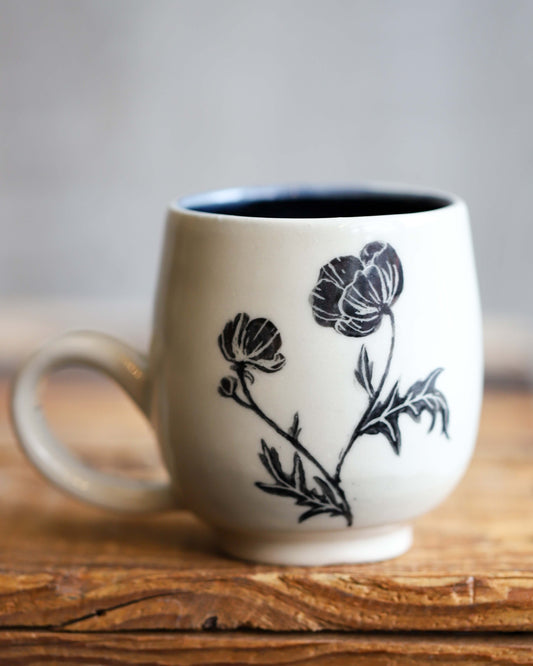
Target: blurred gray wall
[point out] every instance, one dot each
(109, 109)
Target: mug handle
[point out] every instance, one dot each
(129, 369)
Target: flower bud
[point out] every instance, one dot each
(254, 343)
(227, 386)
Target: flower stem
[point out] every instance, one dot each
(360, 427)
(251, 404)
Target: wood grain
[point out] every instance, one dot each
(35, 648)
(73, 568)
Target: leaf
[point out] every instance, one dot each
(424, 396)
(270, 459)
(295, 430)
(363, 372)
(383, 419)
(298, 473)
(294, 485)
(326, 489)
(275, 490)
(310, 513)
(249, 376)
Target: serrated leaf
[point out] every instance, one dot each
(421, 397)
(383, 419)
(424, 396)
(294, 485)
(363, 372)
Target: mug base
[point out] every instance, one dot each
(352, 546)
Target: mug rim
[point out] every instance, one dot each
(194, 204)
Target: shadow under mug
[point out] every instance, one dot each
(314, 377)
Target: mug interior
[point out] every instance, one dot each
(310, 203)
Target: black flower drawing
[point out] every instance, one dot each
(352, 295)
(252, 342)
(251, 345)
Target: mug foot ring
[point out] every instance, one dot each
(352, 546)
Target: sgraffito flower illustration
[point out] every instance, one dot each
(252, 342)
(352, 295)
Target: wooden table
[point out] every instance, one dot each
(82, 586)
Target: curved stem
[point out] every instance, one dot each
(292, 440)
(297, 445)
(359, 428)
(387, 367)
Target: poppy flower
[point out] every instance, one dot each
(252, 342)
(353, 293)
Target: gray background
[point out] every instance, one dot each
(109, 109)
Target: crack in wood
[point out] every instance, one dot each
(104, 611)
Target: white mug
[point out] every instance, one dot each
(314, 377)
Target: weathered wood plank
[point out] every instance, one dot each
(36, 648)
(74, 567)
(102, 600)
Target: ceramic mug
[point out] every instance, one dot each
(314, 377)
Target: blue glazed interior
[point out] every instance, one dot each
(313, 202)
